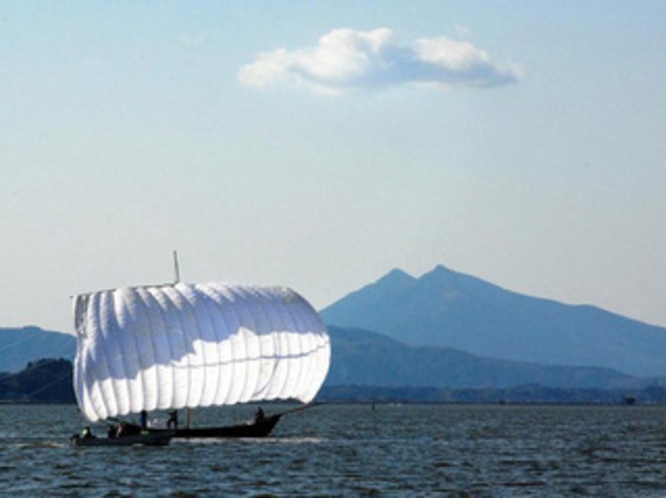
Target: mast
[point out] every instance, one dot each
(176, 267)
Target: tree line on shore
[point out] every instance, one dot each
(42, 381)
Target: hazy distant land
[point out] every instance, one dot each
(444, 337)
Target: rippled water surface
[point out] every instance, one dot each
(353, 450)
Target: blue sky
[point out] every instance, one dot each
(321, 144)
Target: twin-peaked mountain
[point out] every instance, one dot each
(444, 308)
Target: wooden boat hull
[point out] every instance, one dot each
(161, 439)
(259, 428)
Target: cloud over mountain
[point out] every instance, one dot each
(346, 61)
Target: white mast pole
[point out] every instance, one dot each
(176, 267)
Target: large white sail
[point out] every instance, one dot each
(183, 345)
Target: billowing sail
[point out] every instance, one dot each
(182, 345)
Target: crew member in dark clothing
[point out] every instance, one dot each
(172, 423)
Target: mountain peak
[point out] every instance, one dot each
(440, 275)
(396, 276)
(439, 271)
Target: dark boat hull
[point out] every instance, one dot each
(161, 439)
(258, 428)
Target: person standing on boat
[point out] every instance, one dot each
(144, 420)
(259, 416)
(172, 423)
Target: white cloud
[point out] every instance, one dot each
(346, 61)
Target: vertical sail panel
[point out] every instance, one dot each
(165, 382)
(115, 355)
(223, 322)
(90, 364)
(269, 373)
(233, 313)
(134, 322)
(260, 354)
(199, 317)
(181, 345)
(312, 366)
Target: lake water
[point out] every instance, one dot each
(353, 450)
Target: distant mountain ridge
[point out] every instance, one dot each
(364, 358)
(445, 308)
(18, 346)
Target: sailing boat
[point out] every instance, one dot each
(176, 346)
